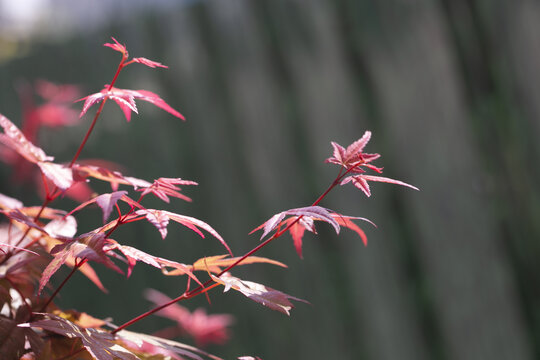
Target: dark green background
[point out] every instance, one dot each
(450, 89)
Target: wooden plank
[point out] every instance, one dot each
(469, 274)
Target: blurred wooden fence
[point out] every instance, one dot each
(451, 91)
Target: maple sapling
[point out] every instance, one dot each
(36, 241)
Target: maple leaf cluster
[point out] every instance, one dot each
(36, 241)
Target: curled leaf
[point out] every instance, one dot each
(215, 264)
(273, 299)
(303, 219)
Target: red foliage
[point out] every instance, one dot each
(36, 241)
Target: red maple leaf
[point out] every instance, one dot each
(266, 296)
(13, 138)
(165, 187)
(117, 47)
(125, 98)
(353, 160)
(149, 63)
(303, 219)
(160, 219)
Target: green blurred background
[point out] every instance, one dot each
(450, 90)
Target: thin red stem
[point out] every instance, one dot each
(184, 296)
(204, 287)
(75, 268)
(120, 67)
(83, 143)
(54, 194)
(118, 70)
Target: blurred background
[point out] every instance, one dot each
(450, 90)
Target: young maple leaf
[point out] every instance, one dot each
(117, 47)
(302, 219)
(273, 299)
(133, 255)
(8, 203)
(125, 98)
(149, 63)
(353, 159)
(204, 329)
(105, 201)
(13, 138)
(165, 187)
(160, 219)
(141, 60)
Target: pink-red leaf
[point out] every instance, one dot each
(8, 203)
(361, 182)
(157, 101)
(115, 178)
(165, 187)
(304, 219)
(215, 264)
(273, 299)
(387, 180)
(313, 212)
(117, 47)
(87, 246)
(346, 221)
(158, 219)
(149, 63)
(60, 175)
(357, 147)
(100, 344)
(125, 98)
(15, 139)
(107, 201)
(205, 329)
(133, 255)
(64, 228)
(148, 344)
(19, 216)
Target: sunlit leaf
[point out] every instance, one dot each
(215, 264)
(117, 47)
(100, 344)
(133, 255)
(273, 299)
(149, 63)
(154, 345)
(15, 139)
(125, 99)
(157, 218)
